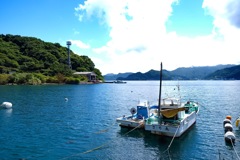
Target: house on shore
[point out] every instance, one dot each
(92, 77)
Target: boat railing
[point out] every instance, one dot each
(172, 121)
(163, 121)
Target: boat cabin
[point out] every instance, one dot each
(143, 110)
(172, 109)
(171, 103)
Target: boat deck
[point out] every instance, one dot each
(131, 119)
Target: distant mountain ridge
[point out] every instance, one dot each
(190, 73)
(112, 76)
(195, 73)
(232, 73)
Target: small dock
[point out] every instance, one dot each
(116, 81)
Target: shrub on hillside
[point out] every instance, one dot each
(4, 79)
(72, 80)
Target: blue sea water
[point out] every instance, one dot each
(42, 125)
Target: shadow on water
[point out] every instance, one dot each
(165, 150)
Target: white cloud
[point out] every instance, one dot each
(80, 44)
(226, 15)
(139, 40)
(224, 10)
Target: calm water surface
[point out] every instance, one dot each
(42, 125)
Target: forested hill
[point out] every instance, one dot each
(226, 73)
(32, 55)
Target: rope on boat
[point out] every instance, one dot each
(236, 119)
(219, 154)
(101, 146)
(230, 138)
(165, 157)
(105, 130)
(234, 149)
(167, 150)
(133, 129)
(110, 141)
(205, 107)
(173, 137)
(216, 111)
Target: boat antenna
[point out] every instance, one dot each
(160, 91)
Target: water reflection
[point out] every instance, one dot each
(7, 112)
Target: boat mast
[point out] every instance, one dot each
(160, 90)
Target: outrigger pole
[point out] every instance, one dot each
(160, 91)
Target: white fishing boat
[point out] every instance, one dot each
(137, 117)
(119, 81)
(173, 118)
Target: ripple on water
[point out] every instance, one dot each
(42, 125)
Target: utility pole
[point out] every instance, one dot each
(69, 60)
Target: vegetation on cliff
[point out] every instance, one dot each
(231, 73)
(28, 60)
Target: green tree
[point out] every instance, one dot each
(31, 55)
(4, 79)
(99, 74)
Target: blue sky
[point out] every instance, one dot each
(132, 35)
(189, 19)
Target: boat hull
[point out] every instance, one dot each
(171, 130)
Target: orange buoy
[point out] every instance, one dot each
(229, 117)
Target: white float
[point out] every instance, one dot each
(225, 121)
(229, 137)
(6, 105)
(228, 127)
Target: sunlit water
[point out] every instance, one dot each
(43, 125)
